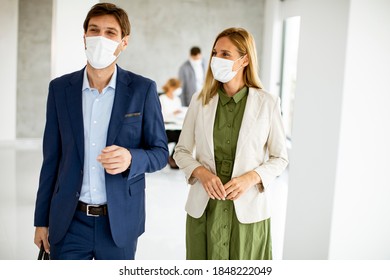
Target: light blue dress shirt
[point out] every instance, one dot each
(97, 109)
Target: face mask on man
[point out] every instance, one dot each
(195, 61)
(223, 69)
(100, 51)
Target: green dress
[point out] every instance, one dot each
(217, 234)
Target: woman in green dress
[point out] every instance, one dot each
(232, 146)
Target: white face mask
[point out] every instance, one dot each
(100, 51)
(223, 69)
(195, 61)
(178, 91)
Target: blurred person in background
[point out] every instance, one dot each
(171, 109)
(192, 74)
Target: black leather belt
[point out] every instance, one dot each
(92, 209)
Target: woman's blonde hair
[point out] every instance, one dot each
(245, 44)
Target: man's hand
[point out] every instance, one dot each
(115, 159)
(42, 237)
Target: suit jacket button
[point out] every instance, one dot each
(77, 194)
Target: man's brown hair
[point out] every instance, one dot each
(101, 9)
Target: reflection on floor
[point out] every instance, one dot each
(166, 194)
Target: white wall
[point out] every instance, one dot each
(8, 70)
(67, 35)
(360, 223)
(272, 40)
(339, 191)
(316, 126)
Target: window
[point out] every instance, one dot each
(288, 73)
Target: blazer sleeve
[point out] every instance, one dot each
(184, 149)
(277, 151)
(153, 155)
(51, 159)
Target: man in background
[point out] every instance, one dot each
(191, 75)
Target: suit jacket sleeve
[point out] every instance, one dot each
(153, 155)
(277, 151)
(185, 147)
(51, 159)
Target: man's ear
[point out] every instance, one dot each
(125, 41)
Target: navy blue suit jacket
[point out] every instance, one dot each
(136, 123)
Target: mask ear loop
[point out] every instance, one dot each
(122, 41)
(238, 60)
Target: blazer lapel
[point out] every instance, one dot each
(120, 105)
(209, 112)
(252, 110)
(75, 110)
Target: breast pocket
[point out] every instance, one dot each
(130, 133)
(132, 118)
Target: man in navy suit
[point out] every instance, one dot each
(104, 130)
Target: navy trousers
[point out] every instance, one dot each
(90, 238)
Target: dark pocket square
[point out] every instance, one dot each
(129, 115)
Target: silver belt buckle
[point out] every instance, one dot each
(91, 205)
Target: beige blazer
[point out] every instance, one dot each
(261, 147)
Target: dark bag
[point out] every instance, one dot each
(43, 256)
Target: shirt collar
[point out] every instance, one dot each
(111, 83)
(224, 98)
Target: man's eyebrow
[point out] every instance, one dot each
(113, 28)
(92, 25)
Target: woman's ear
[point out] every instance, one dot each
(245, 60)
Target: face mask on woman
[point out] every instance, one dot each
(100, 51)
(223, 69)
(178, 91)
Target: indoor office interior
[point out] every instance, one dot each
(327, 60)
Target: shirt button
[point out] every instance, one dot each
(228, 141)
(225, 210)
(93, 167)
(97, 100)
(230, 110)
(224, 244)
(229, 125)
(94, 122)
(93, 144)
(225, 226)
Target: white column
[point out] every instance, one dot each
(8, 58)
(271, 45)
(316, 128)
(339, 189)
(360, 220)
(67, 35)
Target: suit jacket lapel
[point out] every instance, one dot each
(209, 112)
(252, 110)
(122, 89)
(75, 110)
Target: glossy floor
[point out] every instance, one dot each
(166, 192)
